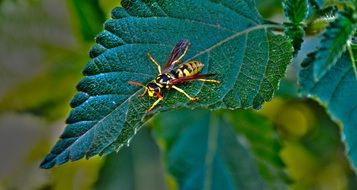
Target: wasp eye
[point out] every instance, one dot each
(153, 87)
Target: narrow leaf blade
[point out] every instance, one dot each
(352, 50)
(88, 17)
(333, 44)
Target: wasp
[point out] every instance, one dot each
(169, 77)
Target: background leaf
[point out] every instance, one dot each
(333, 44)
(88, 15)
(226, 36)
(296, 12)
(337, 91)
(40, 94)
(204, 151)
(320, 17)
(262, 141)
(296, 33)
(312, 150)
(39, 71)
(136, 167)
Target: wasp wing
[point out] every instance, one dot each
(189, 78)
(176, 55)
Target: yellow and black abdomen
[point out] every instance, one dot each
(189, 69)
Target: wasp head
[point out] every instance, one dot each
(153, 89)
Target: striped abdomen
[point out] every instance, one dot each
(189, 69)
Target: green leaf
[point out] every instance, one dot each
(204, 151)
(333, 44)
(287, 89)
(227, 36)
(295, 10)
(264, 145)
(296, 34)
(88, 17)
(136, 167)
(337, 91)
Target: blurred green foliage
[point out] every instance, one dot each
(138, 166)
(87, 16)
(312, 150)
(54, 38)
(216, 142)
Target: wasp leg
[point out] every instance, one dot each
(154, 104)
(143, 94)
(138, 84)
(183, 92)
(210, 80)
(154, 61)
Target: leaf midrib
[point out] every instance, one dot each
(237, 34)
(211, 151)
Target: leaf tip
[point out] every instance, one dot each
(48, 162)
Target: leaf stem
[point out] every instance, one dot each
(274, 25)
(271, 22)
(353, 61)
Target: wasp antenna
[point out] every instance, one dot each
(136, 83)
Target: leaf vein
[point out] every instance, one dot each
(344, 76)
(211, 151)
(240, 15)
(237, 34)
(265, 68)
